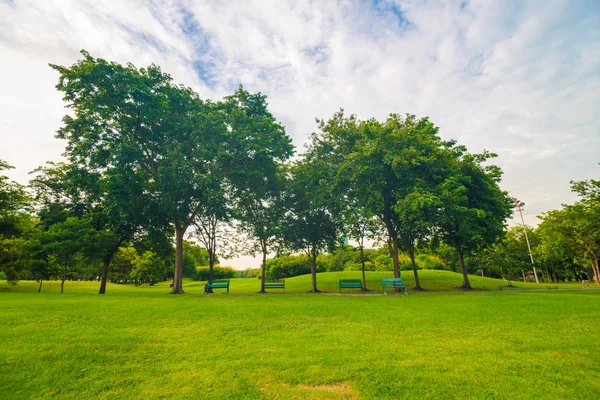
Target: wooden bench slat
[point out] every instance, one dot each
(350, 283)
(275, 284)
(217, 284)
(396, 283)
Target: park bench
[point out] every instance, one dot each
(396, 283)
(216, 284)
(275, 284)
(351, 283)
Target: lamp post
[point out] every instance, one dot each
(519, 206)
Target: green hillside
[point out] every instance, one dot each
(327, 282)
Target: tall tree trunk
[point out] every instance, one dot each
(393, 247)
(313, 269)
(411, 254)
(105, 268)
(211, 269)
(466, 283)
(264, 268)
(211, 265)
(362, 262)
(40, 288)
(595, 268)
(178, 278)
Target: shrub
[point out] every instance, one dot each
(248, 273)
(291, 265)
(218, 273)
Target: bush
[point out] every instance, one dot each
(248, 273)
(356, 266)
(218, 273)
(291, 265)
(430, 261)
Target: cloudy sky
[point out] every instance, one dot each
(520, 78)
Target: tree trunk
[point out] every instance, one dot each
(523, 272)
(393, 247)
(62, 283)
(362, 262)
(313, 270)
(595, 268)
(178, 278)
(264, 268)
(211, 269)
(40, 288)
(211, 266)
(105, 268)
(411, 254)
(466, 284)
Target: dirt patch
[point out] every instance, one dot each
(341, 389)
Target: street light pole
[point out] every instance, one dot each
(519, 207)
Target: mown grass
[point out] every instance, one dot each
(142, 343)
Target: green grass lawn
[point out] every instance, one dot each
(143, 343)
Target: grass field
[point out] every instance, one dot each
(143, 343)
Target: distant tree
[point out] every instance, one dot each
(13, 200)
(360, 225)
(108, 199)
(570, 234)
(16, 224)
(65, 244)
(211, 231)
(194, 256)
(149, 268)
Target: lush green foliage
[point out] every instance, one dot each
(218, 272)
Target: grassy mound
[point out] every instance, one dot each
(327, 282)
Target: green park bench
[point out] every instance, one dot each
(396, 283)
(216, 284)
(275, 284)
(351, 283)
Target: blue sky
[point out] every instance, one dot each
(520, 78)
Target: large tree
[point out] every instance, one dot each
(472, 209)
(256, 181)
(136, 122)
(308, 224)
(390, 169)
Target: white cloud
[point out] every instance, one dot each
(518, 78)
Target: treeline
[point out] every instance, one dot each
(149, 161)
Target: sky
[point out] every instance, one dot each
(518, 78)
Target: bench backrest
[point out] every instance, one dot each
(274, 280)
(391, 281)
(357, 281)
(218, 281)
